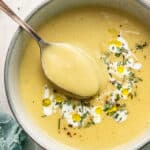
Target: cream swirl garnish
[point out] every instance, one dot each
(122, 77)
(76, 113)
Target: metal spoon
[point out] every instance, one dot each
(42, 45)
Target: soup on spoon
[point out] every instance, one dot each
(71, 69)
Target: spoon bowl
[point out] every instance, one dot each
(72, 72)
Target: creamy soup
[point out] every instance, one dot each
(119, 45)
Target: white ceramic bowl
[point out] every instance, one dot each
(139, 8)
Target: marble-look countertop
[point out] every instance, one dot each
(7, 30)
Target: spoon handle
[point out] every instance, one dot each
(5, 8)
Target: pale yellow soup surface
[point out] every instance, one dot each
(89, 29)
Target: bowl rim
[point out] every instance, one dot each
(15, 36)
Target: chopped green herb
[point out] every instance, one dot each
(74, 106)
(85, 103)
(107, 54)
(135, 94)
(124, 61)
(70, 126)
(141, 46)
(107, 107)
(83, 117)
(43, 116)
(119, 86)
(59, 104)
(119, 49)
(110, 74)
(122, 107)
(117, 54)
(117, 97)
(69, 134)
(68, 102)
(108, 67)
(132, 76)
(59, 123)
(110, 113)
(131, 95)
(89, 123)
(116, 115)
(124, 50)
(139, 79)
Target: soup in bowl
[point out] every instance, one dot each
(116, 38)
